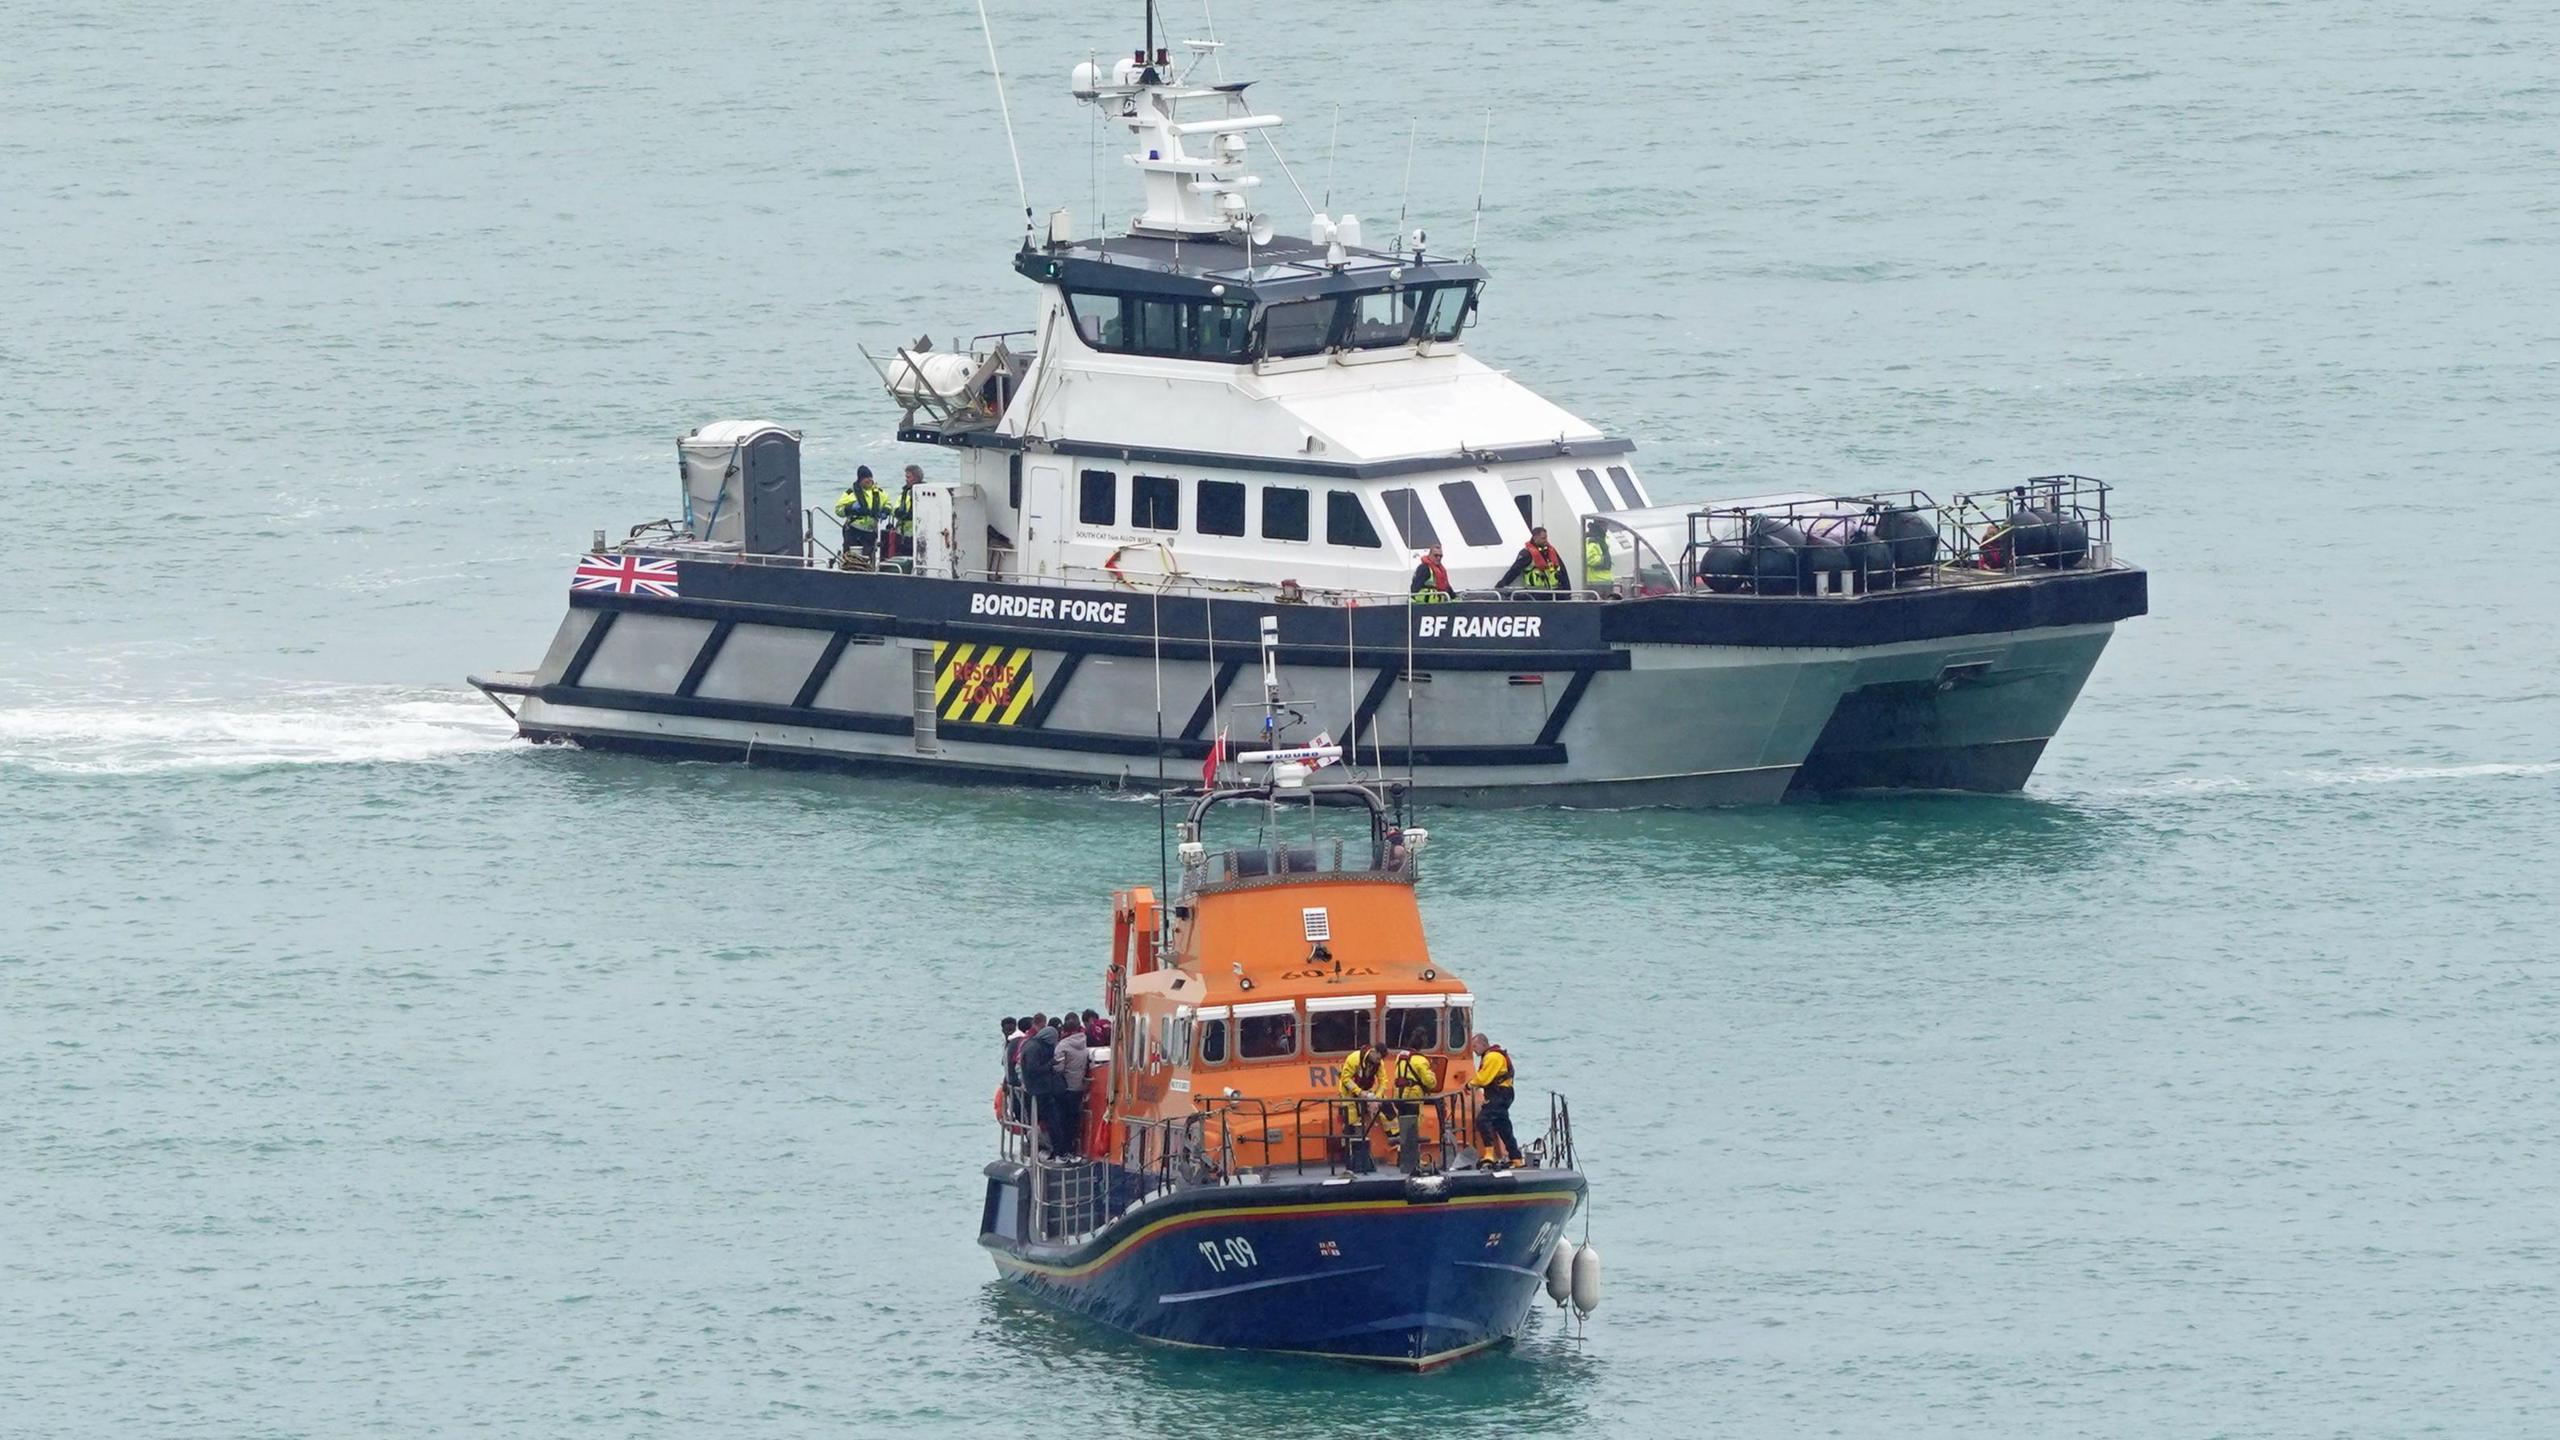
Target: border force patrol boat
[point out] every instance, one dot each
(1205, 418)
(1219, 1192)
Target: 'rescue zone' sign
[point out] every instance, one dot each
(1441, 625)
(1072, 610)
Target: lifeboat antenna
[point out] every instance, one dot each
(1005, 109)
(1412, 132)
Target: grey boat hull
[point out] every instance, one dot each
(1677, 701)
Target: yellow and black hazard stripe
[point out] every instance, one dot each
(982, 684)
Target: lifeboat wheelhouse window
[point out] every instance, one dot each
(1466, 506)
(1267, 1031)
(1346, 521)
(1413, 1027)
(1338, 1025)
(1220, 509)
(1212, 1025)
(1462, 1014)
(1284, 512)
(1599, 497)
(1626, 484)
(1098, 500)
(1155, 502)
(1297, 327)
(1404, 507)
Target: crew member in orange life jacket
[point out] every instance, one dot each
(1494, 1076)
(1431, 578)
(1538, 566)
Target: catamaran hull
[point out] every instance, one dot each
(1366, 1270)
(1683, 701)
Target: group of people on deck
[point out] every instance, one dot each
(1046, 1064)
(1538, 568)
(1379, 1084)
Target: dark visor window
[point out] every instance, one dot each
(1626, 484)
(1346, 523)
(1099, 500)
(1466, 506)
(1599, 497)
(1155, 502)
(1220, 509)
(1404, 507)
(1284, 513)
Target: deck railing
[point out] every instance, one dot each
(1238, 1140)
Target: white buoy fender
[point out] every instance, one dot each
(1586, 1280)
(1560, 1272)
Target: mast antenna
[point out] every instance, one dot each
(1329, 147)
(1484, 158)
(1412, 131)
(1006, 110)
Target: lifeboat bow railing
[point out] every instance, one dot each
(1242, 1140)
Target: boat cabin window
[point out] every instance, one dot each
(1339, 1024)
(1212, 1025)
(1220, 508)
(1267, 1030)
(1626, 484)
(1599, 497)
(1155, 502)
(1413, 1027)
(1298, 327)
(1444, 314)
(1466, 506)
(1461, 1021)
(1379, 318)
(1162, 325)
(1346, 521)
(1181, 1046)
(1412, 521)
(1098, 501)
(1284, 512)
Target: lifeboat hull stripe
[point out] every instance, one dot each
(1127, 1245)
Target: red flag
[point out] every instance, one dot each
(1217, 757)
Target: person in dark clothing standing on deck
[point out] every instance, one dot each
(1538, 566)
(1039, 1065)
(1074, 1066)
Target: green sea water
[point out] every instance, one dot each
(364, 1071)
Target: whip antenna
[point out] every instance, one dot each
(1484, 157)
(1006, 110)
(1329, 147)
(1412, 130)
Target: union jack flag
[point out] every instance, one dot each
(626, 575)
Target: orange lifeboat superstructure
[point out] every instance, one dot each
(1226, 1192)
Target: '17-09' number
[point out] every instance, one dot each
(1232, 1253)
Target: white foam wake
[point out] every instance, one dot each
(322, 725)
(2391, 774)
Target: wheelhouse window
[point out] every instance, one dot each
(1404, 507)
(1221, 508)
(1444, 312)
(1626, 484)
(1379, 318)
(1098, 498)
(1212, 1025)
(1155, 502)
(1296, 327)
(1284, 512)
(1169, 325)
(1466, 506)
(1339, 1024)
(1267, 1030)
(1346, 521)
(1591, 483)
(1413, 1027)
(1462, 1014)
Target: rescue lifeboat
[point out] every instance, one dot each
(1220, 1193)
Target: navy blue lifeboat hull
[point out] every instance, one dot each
(1385, 1268)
